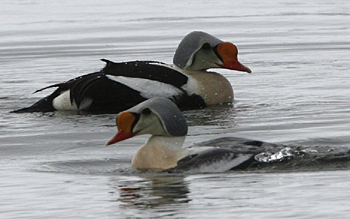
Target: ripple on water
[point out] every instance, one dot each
(86, 167)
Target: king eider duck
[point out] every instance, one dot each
(164, 151)
(119, 86)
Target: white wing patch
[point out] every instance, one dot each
(62, 102)
(219, 166)
(148, 88)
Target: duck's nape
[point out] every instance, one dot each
(162, 119)
(200, 51)
(156, 116)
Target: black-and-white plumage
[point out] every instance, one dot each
(119, 86)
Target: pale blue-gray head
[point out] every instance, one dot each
(156, 116)
(199, 51)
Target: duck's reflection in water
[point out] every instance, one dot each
(151, 192)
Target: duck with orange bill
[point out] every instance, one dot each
(164, 150)
(119, 86)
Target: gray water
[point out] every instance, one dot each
(55, 165)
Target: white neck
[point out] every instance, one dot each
(160, 153)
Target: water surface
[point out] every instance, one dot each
(55, 165)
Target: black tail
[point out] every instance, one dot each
(43, 105)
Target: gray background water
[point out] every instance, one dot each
(56, 165)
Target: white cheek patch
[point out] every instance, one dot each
(148, 88)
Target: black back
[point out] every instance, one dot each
(109, 96)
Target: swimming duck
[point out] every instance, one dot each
(119, 86)
(164, 150)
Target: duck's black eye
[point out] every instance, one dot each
(146, 111)
(206, 46)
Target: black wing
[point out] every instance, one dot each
(213, 160)
(111, 96)
(151, 70)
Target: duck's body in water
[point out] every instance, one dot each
(119, 86)
(164, 151)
